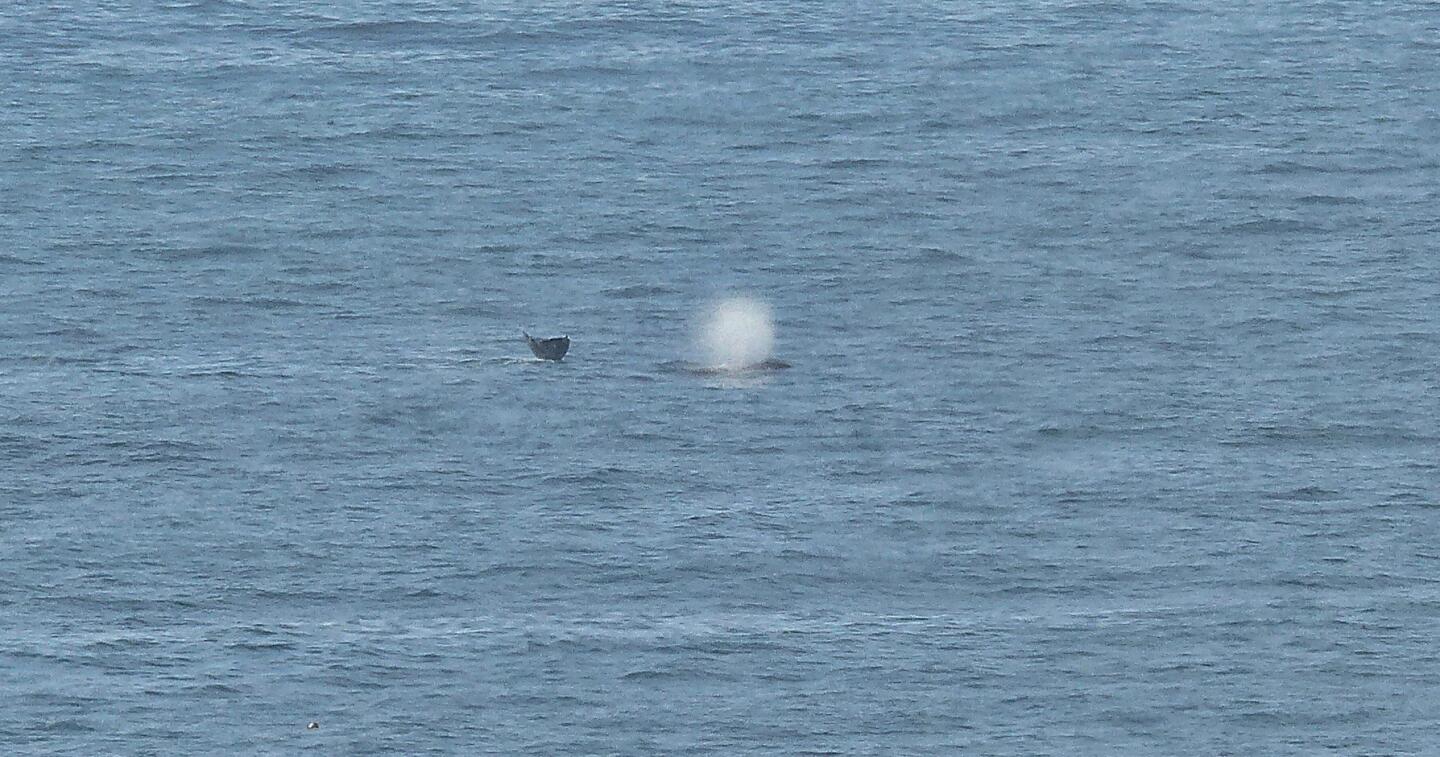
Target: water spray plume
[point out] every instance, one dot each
(738, 333)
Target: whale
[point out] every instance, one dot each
(553, 348)
(768, 365)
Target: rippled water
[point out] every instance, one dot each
(1111, 427)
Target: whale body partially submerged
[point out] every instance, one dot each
(768, 365)
(553, 348)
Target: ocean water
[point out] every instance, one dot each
(1111, 427)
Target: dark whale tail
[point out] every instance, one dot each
(548, 349)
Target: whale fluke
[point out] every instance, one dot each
(548, 349)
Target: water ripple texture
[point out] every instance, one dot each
(1100, 414)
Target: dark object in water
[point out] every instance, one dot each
(768, 365)
(548, 349)
(313, 725)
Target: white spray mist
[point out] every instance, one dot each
(738, 332)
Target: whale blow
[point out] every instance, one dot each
(738, 333)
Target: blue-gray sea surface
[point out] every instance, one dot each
(1112, 426)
